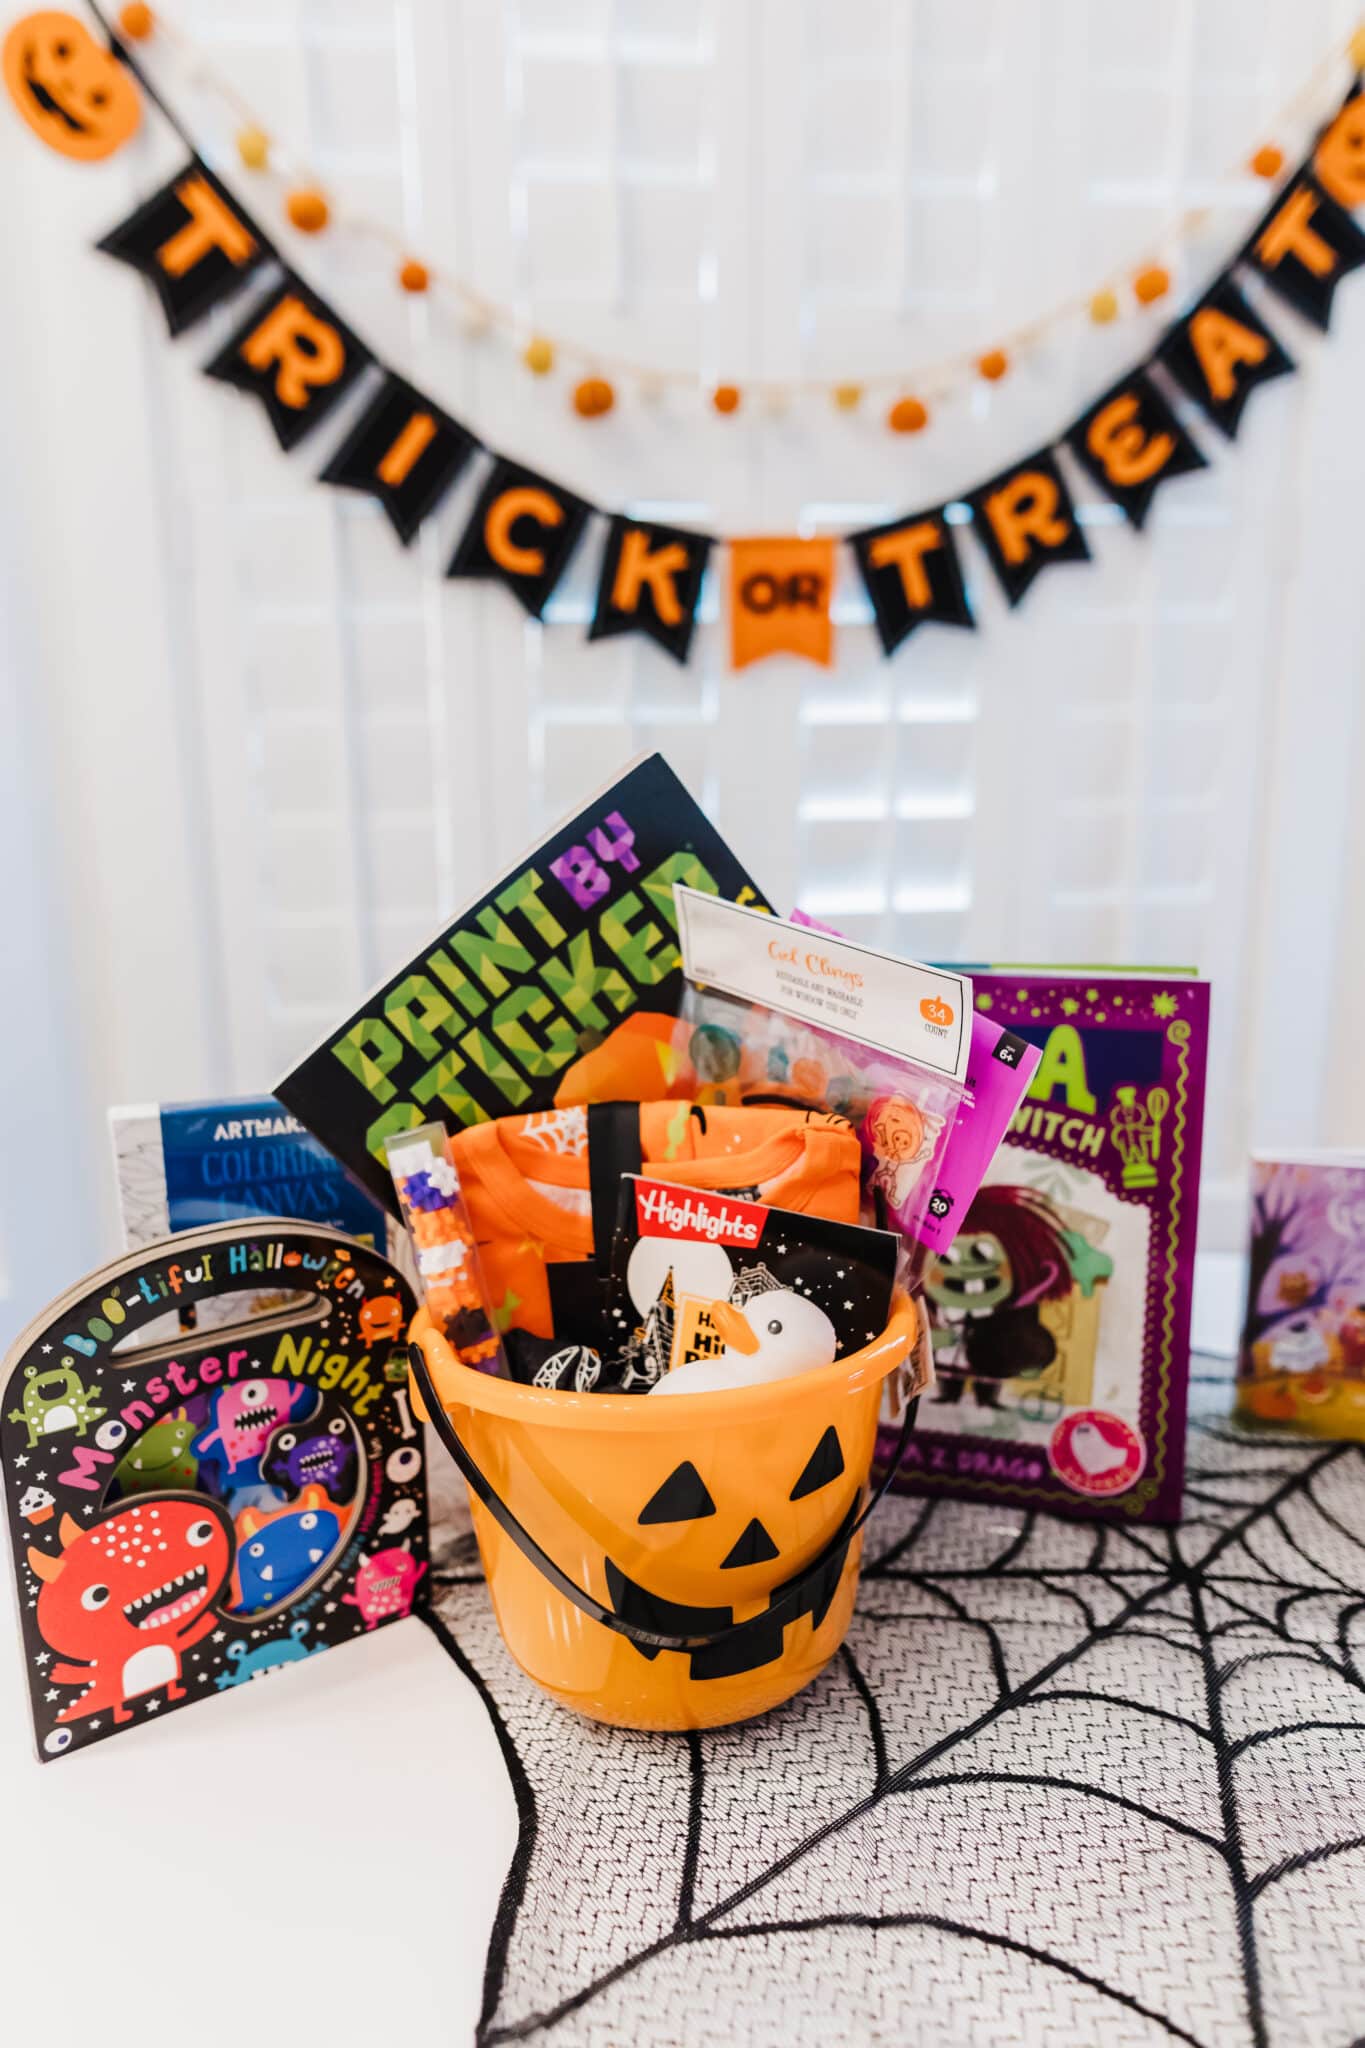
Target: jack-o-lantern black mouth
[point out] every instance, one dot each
(746, 1646)
(48, 100)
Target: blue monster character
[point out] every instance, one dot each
(244, 1664)
(279, 1549)
(324, 1459)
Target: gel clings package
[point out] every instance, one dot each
(778, 1011)
(1000, 1068)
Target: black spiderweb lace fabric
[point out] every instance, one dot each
(1062, 1785)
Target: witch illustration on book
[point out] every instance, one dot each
(985, 1289)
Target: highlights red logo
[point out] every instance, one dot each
(662, 1210)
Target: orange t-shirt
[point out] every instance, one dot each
(527, 1188)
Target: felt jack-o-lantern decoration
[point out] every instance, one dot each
(908, 416)
(593, 397)
(74, 94)
(1151, 284)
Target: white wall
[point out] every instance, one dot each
(261, 748)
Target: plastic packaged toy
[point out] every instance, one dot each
(753, 1040)
(428, 1188)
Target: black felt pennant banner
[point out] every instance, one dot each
(1027, 522)
(913, 576)
(296, 355)
(404, 451)
(523, 530)
(1303, 248)
(1131, 442)
(1220, 352)
(650, 583)
(1338, 159)
(193, 241)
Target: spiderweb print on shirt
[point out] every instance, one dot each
(1063, 1783)
(562, 1133)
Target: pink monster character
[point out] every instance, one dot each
(385, 1586)
(243, 1417)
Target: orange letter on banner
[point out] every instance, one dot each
(1024, 510)
(637, 566)
(211, 225)
(504, 512)
(1121, 448)
(1220, 343)
(780, 594)
(309, 351)
(409, 445)
(906, 551)
(1339, 160)
(1291, 233)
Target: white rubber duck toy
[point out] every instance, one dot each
(777, 1335)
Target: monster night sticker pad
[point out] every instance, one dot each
(189, 1514)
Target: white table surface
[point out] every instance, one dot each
(315, 1857)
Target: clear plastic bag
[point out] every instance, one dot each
(733, 1051)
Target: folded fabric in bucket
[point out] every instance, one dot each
(542, 1190)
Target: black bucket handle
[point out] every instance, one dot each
(792, 1599)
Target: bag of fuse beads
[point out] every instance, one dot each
(433, 1206)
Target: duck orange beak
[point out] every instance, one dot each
(733, 1325)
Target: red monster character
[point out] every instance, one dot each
(984, 1291)
(128, 1595)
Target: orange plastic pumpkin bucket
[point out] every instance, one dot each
(679, 1563)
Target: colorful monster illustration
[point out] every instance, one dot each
(160, 1459)
(244, 1664)
(279, 1548)
(127, 1596)
(380, 1317)
(54, 1399)
(984, 1291)
(323, 1460)
(385, 1586)
(241, 1421)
